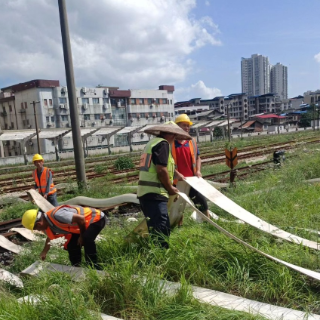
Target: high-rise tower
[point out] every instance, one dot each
(255, 75)
(279, 80)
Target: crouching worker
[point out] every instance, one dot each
(79, 225)
(156, 178)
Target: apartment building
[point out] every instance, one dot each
(255, 75)
(311, 97)
(97, 107)
(279, 80)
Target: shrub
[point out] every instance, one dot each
(124, 163)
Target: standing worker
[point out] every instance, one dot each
(156, 178)
(188, 163)
(79, 225)
(43, 180)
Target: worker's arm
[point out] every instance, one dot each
(178, 175)
(198, 167)
(80, 221)
(45, 250)
(163, 176)
(49, 181)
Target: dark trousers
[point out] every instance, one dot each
(52, 198)
(90, 249)
(156, 213)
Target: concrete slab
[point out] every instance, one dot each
(215, 298)
(10, 278)
(34, 299)
(8, 245)
(76, 273)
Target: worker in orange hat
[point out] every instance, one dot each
(43, 180)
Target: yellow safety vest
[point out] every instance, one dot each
(148, 177)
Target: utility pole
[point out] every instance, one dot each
(36, 121)
(229, 136)
(75, 123)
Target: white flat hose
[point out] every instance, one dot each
(102, 203)
(228, 205)
(307, 272)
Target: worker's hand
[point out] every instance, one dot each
(179, 176)
(45, 196)
(173, 191)
(43, 256)
(198, 174)
(80, 241)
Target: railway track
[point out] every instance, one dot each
(131, 174)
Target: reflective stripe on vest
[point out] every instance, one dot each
(148, 177)
(91, 215)
(194, 156)
(42, 184)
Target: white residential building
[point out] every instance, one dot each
(97, 107)
(279, 80)
(255, 75)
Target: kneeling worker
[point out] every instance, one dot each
(79, 225)
(188, 162)
(42, 177)
(156, 178)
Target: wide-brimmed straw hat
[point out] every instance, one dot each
(169, 127)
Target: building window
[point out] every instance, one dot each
(52, 119)
(62, 100)
(85, 100)
(45, 102)
(47, 119)
(149, 101)
(26, 105)
(164, 101)
(141, 101)
(94, 100)
(157, 101)
(132, 101)
(64, 118)
(142, 115)
(133, 115)
(86, 116)
(97, 116)
(105, 100)
(21, 105)
(50, 102)
(10, 108)
(158, 114)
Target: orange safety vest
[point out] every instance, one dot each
(42, 184)
(194, 156)
(57, 229)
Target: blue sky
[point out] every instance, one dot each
(286, 31)
(195, 45)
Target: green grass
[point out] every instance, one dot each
(199, 255)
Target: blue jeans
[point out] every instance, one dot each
(52, 198)
(156, 213)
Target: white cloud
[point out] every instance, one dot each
(317, 57)
(197, 90)
(207, 3)
(132, 44)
